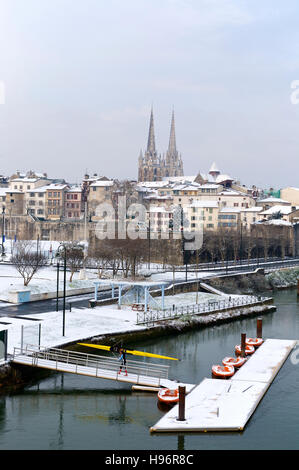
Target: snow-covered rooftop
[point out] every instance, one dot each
(221, 178)
(54, 186)
(230, 209)
(102, 183)
(75, 189)
(285, 210)
(276, 200)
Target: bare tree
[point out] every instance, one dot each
(27, 260)
(74, 253)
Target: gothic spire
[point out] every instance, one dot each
(172, 140)
(151, 146)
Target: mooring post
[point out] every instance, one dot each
(243, 344)
(182, 394)
(259, 328)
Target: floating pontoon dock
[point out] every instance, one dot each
(227, 405)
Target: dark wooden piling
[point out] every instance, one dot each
(182, 395)
(259, 328)
(243, 344)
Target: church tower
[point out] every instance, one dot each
(173, 160)
(152, 167)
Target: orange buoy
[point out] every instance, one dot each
(234, 361)
(254, 342)
(165, 395)
(223, 371)
(248, 349)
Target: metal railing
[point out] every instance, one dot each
(153, 316)
(99, 364)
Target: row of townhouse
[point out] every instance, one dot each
(209, 215)
(45, 199)
(211, 206)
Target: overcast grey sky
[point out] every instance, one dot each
(81, 75)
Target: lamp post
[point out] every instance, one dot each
(57, 294)
(241, 241)
(149, 242)
(3, 228)
(64, 287)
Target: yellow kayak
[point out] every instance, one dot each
(134, 352)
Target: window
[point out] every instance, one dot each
(50, 194)
(32, 194)
(94, 188)
(40, 194)
(226, 216)
(28, 186)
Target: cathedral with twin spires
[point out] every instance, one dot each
(154, 167)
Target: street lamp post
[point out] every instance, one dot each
(57, 294)
(149, 242)
(3, 234)
(64, 288)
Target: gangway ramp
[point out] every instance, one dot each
(102, 367)
(212, 290)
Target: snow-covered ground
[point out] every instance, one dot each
(44, 281)
(189, 298)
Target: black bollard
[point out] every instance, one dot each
(182, 395)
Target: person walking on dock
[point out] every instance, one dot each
(123, 359)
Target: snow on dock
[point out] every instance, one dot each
(227, 405)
